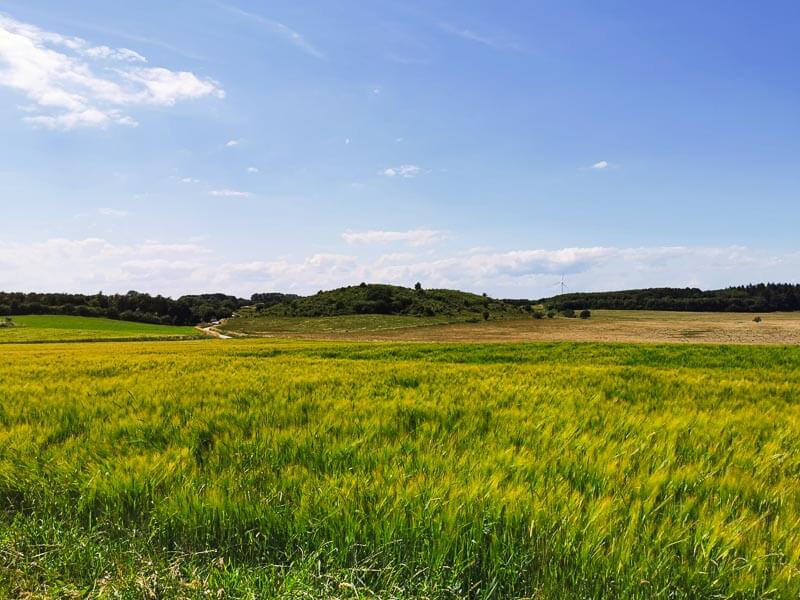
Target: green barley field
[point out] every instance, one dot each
(285, 469)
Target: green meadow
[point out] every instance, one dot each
(280, 469)
(49, 328)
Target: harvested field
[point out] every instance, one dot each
(603, 326)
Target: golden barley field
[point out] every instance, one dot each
(303, 469)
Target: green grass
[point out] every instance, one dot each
(305, 469)
(47, 328)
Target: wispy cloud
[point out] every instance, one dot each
(276, 28)
(73, 83)
(113, 212)
(412, 237)
(232, 143)
(501, 42)
(600, 165)
(226, 193)
(406, 60)
(407, 171)
(128, 35)
(252, 170)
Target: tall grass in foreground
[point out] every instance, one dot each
(337, 470)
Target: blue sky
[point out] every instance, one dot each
(252, 146)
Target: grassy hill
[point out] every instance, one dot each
(381, 299)
(60, 328)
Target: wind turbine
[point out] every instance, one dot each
(563, 284)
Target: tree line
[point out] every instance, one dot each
(762, 297)
(193, 309)
(133, 306)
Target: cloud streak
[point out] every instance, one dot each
(405, 171)
(276, 28)
(72, 83)
(498, 42)
(226, 193)
(113, 212)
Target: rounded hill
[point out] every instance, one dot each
(382, 299)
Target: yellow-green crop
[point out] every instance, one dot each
(254, 469)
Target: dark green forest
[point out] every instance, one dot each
(133, 306)
(762, 297)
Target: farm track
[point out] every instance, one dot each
(212, 331)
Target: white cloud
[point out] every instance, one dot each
(189, 180)
(113, 212)
(532, 272)
(121, 54)
(74, 84)
(232, 143)
(93, 264)
(412, 237)
(176, 268)
(166, 88)
(252, 170)
(277, 28)
(407, 171)
(601, 164)
(226, 193)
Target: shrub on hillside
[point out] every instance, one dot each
(586, 313)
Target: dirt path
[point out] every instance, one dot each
(212, 331)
